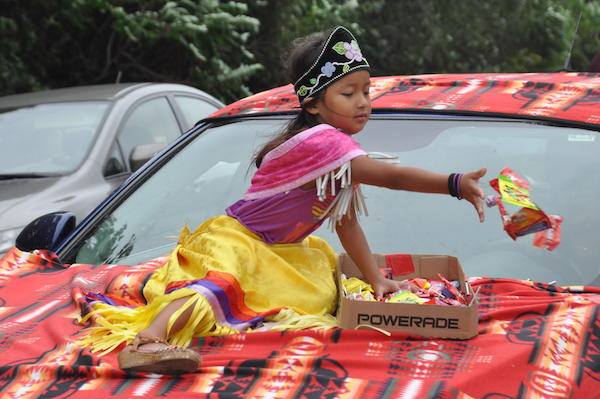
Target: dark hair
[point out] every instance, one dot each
(300, 58)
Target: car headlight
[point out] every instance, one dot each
(8, 237)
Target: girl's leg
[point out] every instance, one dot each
(158, 327)
(150, 353)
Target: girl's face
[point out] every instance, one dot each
(346, 103)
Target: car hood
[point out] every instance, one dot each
(16, 191)
(524, 327)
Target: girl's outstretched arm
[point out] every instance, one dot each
(378, 173)
(356, 246)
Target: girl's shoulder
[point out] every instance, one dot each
(311, 139)
(322, 134)
(317, 130)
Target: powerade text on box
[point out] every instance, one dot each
(406, 321)
(426, 320)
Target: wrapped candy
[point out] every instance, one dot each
(405, 297)
(514, 190)
(421, 283)
(412, 291)
(455, 293)
(550, 238)
(357, 289)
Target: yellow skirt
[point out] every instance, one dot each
(292, 282)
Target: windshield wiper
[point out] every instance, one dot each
(10, 176)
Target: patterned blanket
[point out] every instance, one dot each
(535, 341)
(554, 96)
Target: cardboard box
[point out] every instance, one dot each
(431, 321)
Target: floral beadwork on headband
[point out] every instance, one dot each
(340, 56)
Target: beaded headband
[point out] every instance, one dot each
(340, 56)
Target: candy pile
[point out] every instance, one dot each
(415, 290)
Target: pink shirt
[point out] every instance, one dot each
(283, 218)
(275, 206)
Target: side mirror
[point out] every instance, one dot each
(142, 154)
(46, 232)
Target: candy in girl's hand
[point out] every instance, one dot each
(514, 190)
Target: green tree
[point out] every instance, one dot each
(586, 43)
(434, 36)
(443, 36)
(15, 72)
(55, 43)
(281, 21)
(233, 48)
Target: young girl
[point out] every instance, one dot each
(259, 263)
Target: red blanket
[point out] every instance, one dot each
(535, 341)
(558, 96)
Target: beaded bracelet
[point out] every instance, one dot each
(454, 185)
(451, 185)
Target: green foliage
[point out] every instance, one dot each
(196, 42)
(587, 41)
(432, 36)
(281, 21)
(231, 48)
(14, 74)
(435, 36)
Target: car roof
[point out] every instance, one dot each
(558, 96)
(104, 92)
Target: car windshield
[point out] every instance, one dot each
(214, 169)
(48, 139)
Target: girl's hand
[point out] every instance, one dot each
(470, 190)
(384, 285)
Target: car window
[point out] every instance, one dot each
(212, 172)
(48, 138)
(204, 178)
(194, 109)
(151, 122)
(115, 164)
(557, 162)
